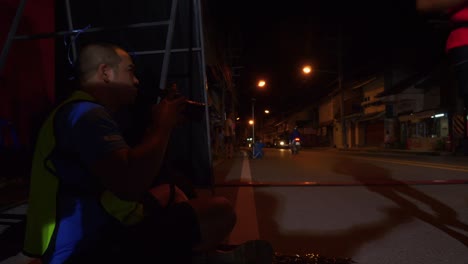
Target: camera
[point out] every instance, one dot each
(194, 110)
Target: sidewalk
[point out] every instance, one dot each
(388, 150)
(13, 193)
(400, 151)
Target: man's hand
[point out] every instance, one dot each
(162, 194)
(167, 113)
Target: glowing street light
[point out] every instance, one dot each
(267, 111)
(261, 83)
(251, 122)
(308, 69)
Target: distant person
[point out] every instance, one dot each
(294, 134)
(219, 140)
(387, 139)
(229, 135)
(295, 140)
(258, 149)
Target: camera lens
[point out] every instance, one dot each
(194, 110)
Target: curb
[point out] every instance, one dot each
(397, 151)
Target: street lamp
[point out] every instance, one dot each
(260, 84)
(253, 125)
(262, 124)
(307, 69)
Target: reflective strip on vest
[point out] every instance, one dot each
(128, 213)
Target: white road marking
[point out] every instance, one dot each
(247, 225)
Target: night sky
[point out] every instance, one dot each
(276, 39)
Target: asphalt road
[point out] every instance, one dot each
(374, 208)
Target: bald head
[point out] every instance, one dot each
(93, 55)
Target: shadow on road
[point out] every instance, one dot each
(372, 177)
(338, 243)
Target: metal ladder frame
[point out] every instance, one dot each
(197, 18)
(167, 51)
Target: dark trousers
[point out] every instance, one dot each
(166, 235)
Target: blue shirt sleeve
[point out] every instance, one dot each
(93, 132)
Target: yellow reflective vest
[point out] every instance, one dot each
(44, 184)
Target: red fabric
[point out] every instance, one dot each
(27, 79)
(459, 36)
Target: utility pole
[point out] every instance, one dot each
(223, 100)
(340, 86)
(253, 125)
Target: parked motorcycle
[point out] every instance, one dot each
(295, 145)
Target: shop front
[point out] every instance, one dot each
(428, 130)
(325, 134)
(371, 129)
